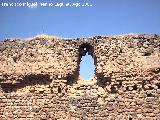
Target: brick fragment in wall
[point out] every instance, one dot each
(39, 79)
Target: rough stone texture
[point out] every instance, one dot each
(39, 78)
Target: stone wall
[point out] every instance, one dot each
(39, 78)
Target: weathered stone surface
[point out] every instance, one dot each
(39, 78)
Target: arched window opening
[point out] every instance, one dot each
(87, 62)
(87, 67)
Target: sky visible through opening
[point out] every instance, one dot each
(87, 67)
(105, 17)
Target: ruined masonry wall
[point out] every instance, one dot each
(39, 78)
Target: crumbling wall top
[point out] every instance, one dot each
(59, 58)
